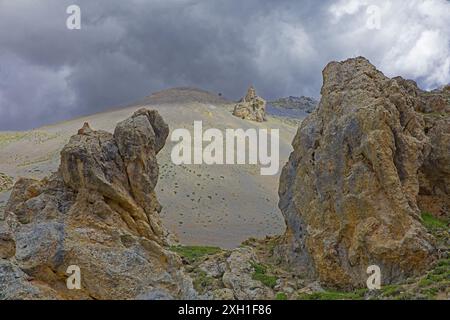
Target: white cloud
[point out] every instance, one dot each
(428, 58)
(413, 39)
(346, 7)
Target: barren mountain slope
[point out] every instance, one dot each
(219, 205)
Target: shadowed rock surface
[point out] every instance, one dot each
(361, 162)
(99, 212)
(434, 175)
(251, 107)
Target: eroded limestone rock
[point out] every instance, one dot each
(349, 191)
(99, 212)
(251, 107)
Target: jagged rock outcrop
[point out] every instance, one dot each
(251, 107)
(234, 273)
(302, 104)
(98, 212)
(434, 174)
(349, 192)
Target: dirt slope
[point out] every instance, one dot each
(208, 205)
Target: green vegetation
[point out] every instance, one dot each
(334, 295)
(435, 284)
(391, 290)
(438, 228)
(436, 281)
(194, 254)
(281, 296)
(38, 136)
(432, 223)
(202, 281)
(261, 274)
(8, 137)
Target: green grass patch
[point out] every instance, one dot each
(202, 282)
(261, 274)
(444, 263)
(194, 254)
(432, 223)
(281, 296)
(430, 293)
(436, 281)
(425, 282)
(438, 274)
(405, 296)
(390, 290)
(334, 295)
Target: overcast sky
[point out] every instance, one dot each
(127, 49)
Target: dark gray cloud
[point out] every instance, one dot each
(128, 49)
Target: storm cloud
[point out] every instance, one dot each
(127, 49)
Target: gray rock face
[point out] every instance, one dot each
(235, 274)
(98, 212)
(302, 104)
(238, 278)
(17, 285)
(349, 191)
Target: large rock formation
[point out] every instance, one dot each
(361, 162)
(98, 212)
(251, 107)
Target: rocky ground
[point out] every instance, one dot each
(255, 271)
